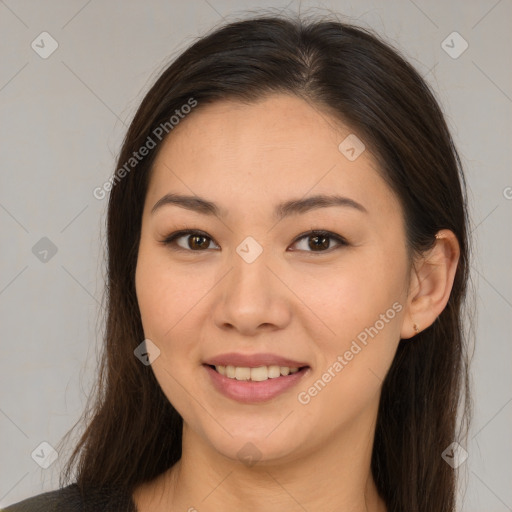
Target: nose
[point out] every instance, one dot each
(252, 297)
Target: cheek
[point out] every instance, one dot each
(362, 305)
(163, 294)
(351, 296)
(165, 297)
(354, 361)
(151, 296)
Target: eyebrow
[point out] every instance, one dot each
(282, 210)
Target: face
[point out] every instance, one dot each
(252, 280)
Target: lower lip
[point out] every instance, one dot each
(250, 392)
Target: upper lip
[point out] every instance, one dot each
(253, 360)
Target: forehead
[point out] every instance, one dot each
(272, 127)
(279, 147)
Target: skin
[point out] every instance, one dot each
(306, 304)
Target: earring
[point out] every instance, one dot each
(416, 328)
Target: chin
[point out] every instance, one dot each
(251, 449)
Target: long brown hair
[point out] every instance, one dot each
(133, 433)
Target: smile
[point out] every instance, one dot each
(254, 385)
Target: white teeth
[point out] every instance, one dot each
(255, 374)
(242, 373)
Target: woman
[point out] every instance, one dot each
(287, 264)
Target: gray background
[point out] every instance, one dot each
(63, 119)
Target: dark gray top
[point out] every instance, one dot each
(68, 499)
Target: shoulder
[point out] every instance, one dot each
(69, 499)
(52, 500)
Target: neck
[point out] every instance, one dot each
(335, 475)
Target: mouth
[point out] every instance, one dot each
(257, 374)
(253, 385)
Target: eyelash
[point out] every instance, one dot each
(170, 240)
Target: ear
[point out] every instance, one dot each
(431, 284)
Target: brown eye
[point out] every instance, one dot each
(195, 240)
(320, 241)
(198, 242)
